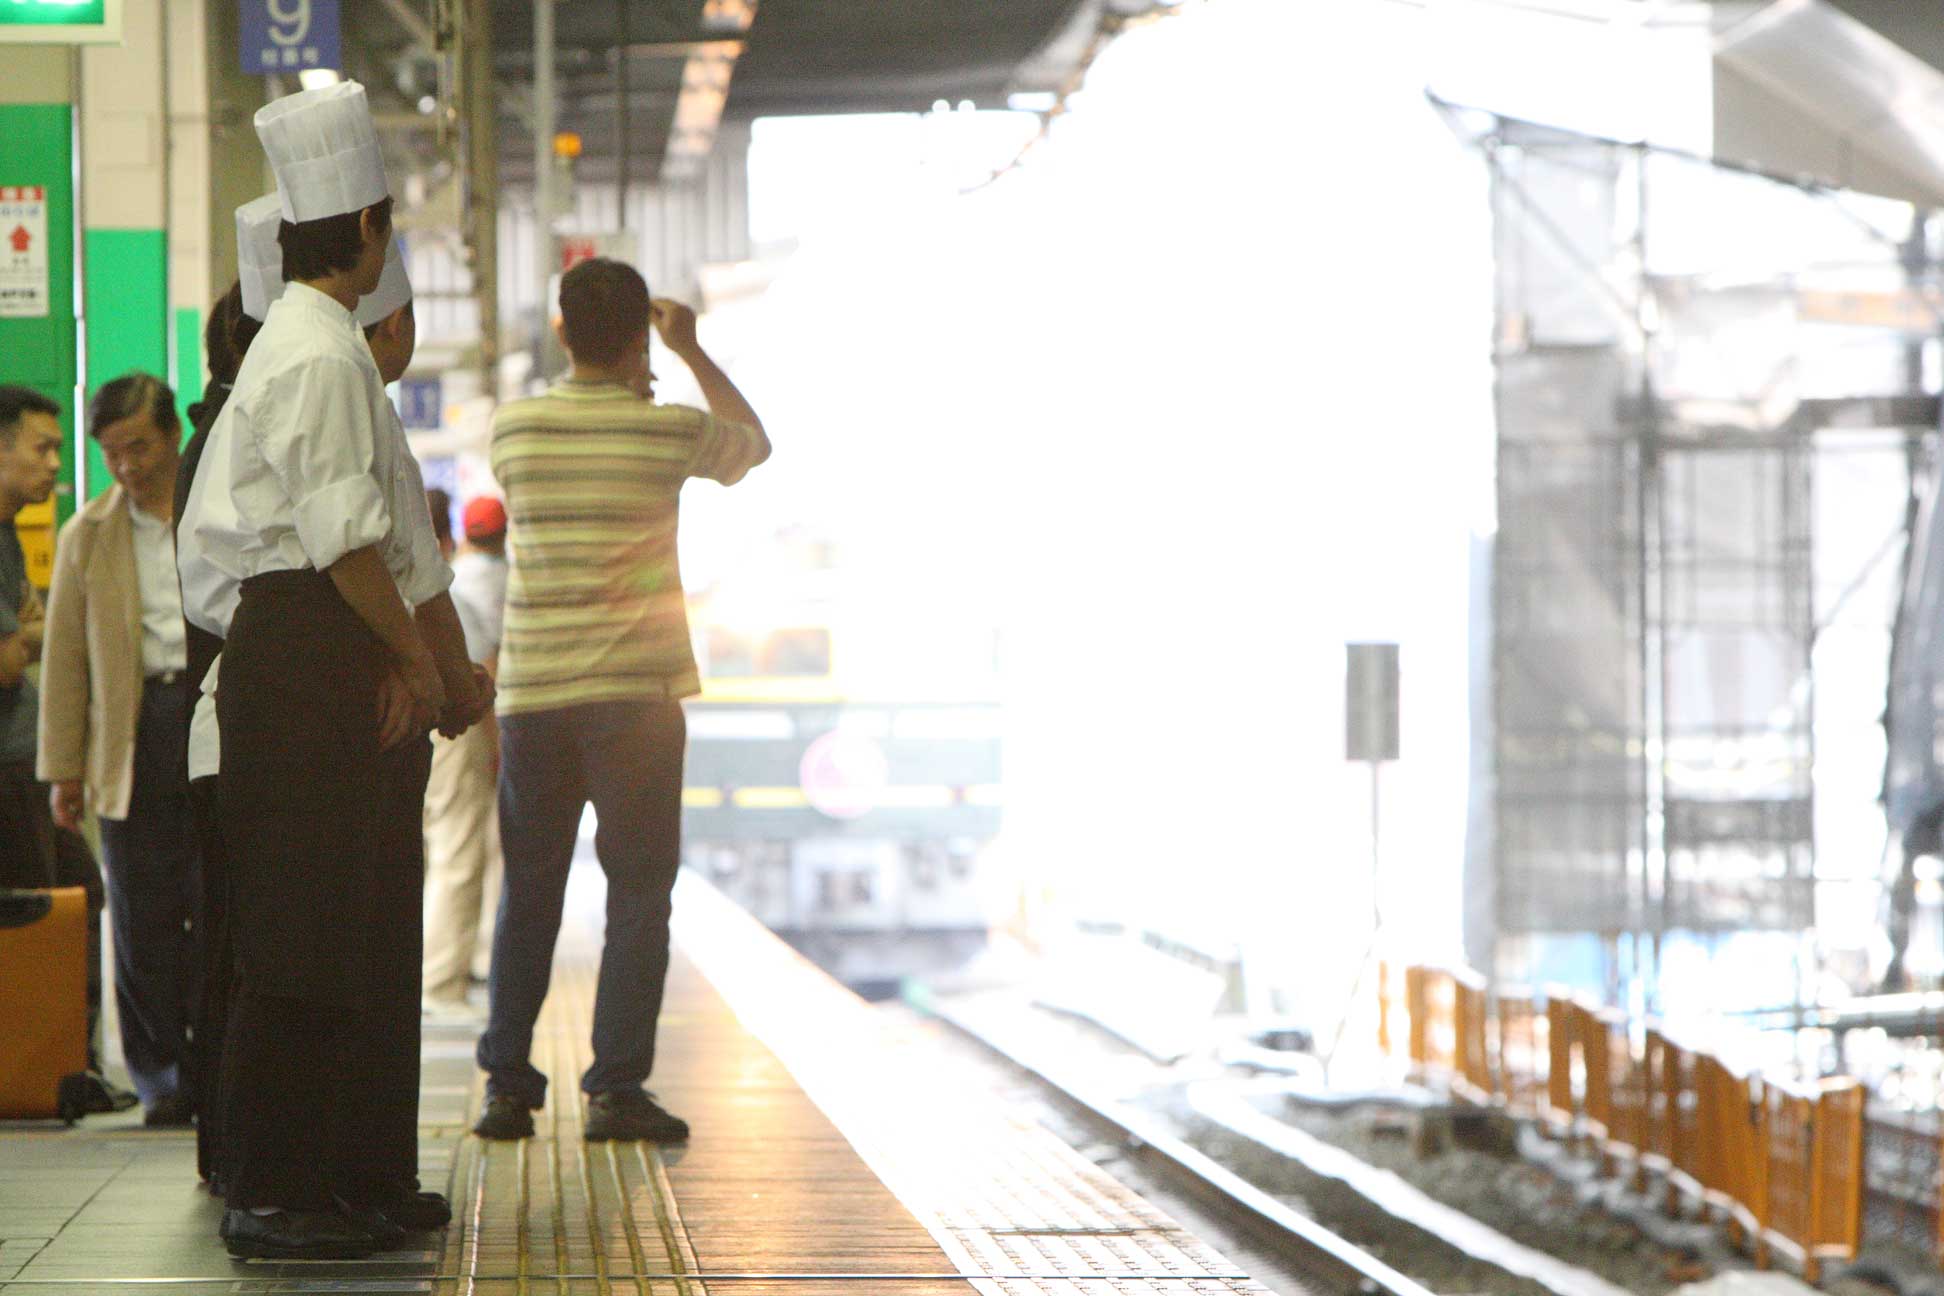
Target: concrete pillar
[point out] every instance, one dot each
(125, 174)
(191, 248)
(37, 123)
(237, 170)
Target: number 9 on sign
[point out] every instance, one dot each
(290, 20)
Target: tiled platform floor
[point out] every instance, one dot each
(831, 1154)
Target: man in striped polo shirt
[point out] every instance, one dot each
(594, 662)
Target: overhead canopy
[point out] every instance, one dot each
(1845, 92)
(774, 57)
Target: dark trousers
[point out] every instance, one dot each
(154, 889)
(625, 758)
(326, 867)
(212, 1008)
(321, 1097)
(35, 853)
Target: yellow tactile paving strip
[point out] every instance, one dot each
(829, 1156)
(1014, 1208)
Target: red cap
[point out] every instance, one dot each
(484, 516)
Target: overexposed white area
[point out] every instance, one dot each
(1194, 395)
(1198, 392)
(1620, 69)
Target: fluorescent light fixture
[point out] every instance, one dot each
(318, 78)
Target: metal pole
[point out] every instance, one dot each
(482, 179)
(621, 158)
(543, 174)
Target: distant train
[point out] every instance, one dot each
(844, 772)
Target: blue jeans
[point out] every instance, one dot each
(625, 758)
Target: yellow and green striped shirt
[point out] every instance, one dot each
(593, 475)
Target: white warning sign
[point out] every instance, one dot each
(23, 252)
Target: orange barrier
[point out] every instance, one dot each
(1627, 1124)
(1815, 1169)
(1520, 1060)
(1780, 1167)
(1561, 1101)
(1471, 1065)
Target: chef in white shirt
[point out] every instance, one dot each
(341, 650)
(234, 321)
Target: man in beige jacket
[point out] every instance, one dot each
(114, 728)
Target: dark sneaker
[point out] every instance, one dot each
(173, 1112)
(625, 1115)
(505, 1118)
(295, 1235)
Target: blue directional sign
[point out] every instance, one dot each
(420, 404)
(290, 36)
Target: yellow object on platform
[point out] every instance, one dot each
(35, 527)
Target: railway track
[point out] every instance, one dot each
(1311, 1260)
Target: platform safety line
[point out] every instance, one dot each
(602, 1283)
(655, 1175)
(628, 1226)
(477, 1210)
(522, 1231)
(559, 1193)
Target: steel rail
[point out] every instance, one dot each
(1307, 1246)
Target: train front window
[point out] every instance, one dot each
(800, 652)
(730, 654)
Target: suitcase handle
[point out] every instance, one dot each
(23, 908)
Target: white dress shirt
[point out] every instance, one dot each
(205, 738)
(164, 643)
(479, 596)
(306, 463)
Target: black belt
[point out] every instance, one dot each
(166, 679)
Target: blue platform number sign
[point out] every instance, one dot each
(420, 405)
(290, 36)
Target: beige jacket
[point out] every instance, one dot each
(91, 659)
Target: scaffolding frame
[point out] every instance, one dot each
(1654, 612)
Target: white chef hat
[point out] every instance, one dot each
(324, 148)
(394, 289)
(259, 258)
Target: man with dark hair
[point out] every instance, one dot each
(603, 307)
(330, 245)
(439, 505)
(594, 663)
(33, 852)
(30, 461)
(114, 729)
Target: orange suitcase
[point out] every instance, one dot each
(43, 1002)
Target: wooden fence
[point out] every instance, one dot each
(1780, 1167)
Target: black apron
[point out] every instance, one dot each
(324, 875)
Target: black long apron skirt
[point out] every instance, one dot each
(327, 873)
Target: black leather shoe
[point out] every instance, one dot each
(173, 1112)
(505, 1118)
(630, 1114)
(295, 1235)
(384, 1230)
(417, 1212)
(96, 1095)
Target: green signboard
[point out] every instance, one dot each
(60, 21)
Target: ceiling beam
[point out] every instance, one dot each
(705, 88)
(416, 25)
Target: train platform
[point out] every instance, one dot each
(832, 1153)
